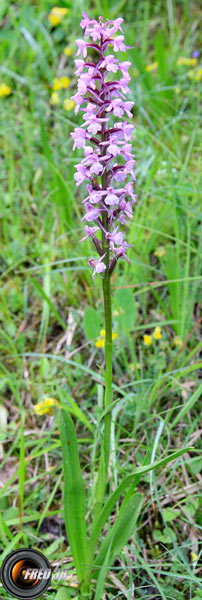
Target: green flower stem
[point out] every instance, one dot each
(105, 448)
(108, 361)
(108, 328)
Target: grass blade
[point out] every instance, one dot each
(184, 410)
(99, 523)
(49, 302)
(22, 469)
(74, 409)
(58, 184)
(122, 529)
(102, 575)
(74, 495)
(63, 594)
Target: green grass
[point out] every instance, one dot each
(47, 349)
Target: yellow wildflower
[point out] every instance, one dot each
(152, 67)
(5, 90)
(68, 51)
(147, 340)
(115, 313)
(198, 75)
(160, 251)
(114, 335)
(60, 82)
(194, 556)
(157, 333)
(100, 343)
(132, 366)
(192, 62)
(54, 99)
(64, 81)
(56, 84)
(56, 15)
(45, 406)
(68, 104)
(182, 60)
(102, 334)
(177, 90)
(177, 341)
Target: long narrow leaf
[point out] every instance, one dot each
(74, 409)
(58, 184)
(49, 302)
(64, 594)
(194, 397)
(99, 523)
(74, 495)
(102, 575)
(122, 529)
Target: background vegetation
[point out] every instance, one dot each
(52, 314)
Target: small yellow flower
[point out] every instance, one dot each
(132, 366)
(182, 60)
(192, 61)
(67, 51)
(56, 84)
(103, 333)
(5, 90)
(115, 313)
(194, 556)
(68, 104)
(114, 335)
(60, 82)
(160, 251)
(54, 99)
(177, 341)
(64, 81)
(157, 333)
(45, 406)
(56, 15)
(184, 139)
(54, 20)
(198, 75)
(177, 90)
(152, 67)
(100, 343)
(191, 74)
(147, 340)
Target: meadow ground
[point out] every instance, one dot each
(52, 313)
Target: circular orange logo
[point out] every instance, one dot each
(26, 573)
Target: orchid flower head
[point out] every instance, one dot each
(105, 136)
